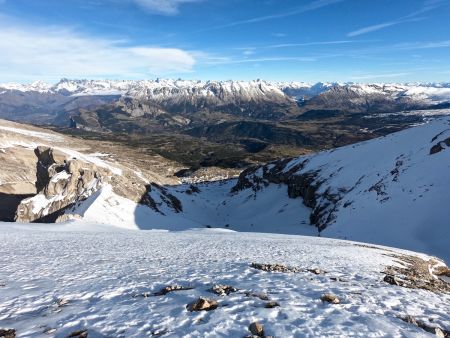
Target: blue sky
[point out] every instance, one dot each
(300, 40)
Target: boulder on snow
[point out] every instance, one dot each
(257, 329)
(223, 290)
(203, 304)
(330, 298)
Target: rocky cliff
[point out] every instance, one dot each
(60, 183)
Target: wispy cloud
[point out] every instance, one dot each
(378, 76)
(32, 52)
(317, 4)
(428, 6)
(383, 25)
(211, 60)
(423, 45)
(166, 7)
(317, 43)
(279, 35)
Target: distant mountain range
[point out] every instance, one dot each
(225, 123)
(179, 102)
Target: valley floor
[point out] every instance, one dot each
(59, 278)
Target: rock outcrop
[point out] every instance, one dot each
(59, 182)
(304, 184)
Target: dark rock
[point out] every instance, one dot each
(391, 280)
(439, 146)
(7, 333)
(271, 304)
(78, 334)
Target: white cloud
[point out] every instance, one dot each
(167, 7)
(29, 52)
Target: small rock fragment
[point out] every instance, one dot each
(203, 304)
(78, 334)
(62, 302)
(7, 333)
(316, 271)
(271, 304)
(223, 290)
(256, 329)
(330, 298)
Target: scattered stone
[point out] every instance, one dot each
(78, 334)
(316, 271)
(330, 298)
(62, 302)
(257, 329)
(426, 327)
(261, 295)
(223, 290)
(171, 288)
(7, 333)
(203, 304)
(271, 304)
(274, 267)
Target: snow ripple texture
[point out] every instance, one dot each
(69, 280)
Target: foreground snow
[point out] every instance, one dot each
(62, 277)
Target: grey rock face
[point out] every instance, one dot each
(59, 183)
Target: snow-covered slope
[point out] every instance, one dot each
(391, 191)
(58, 279)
